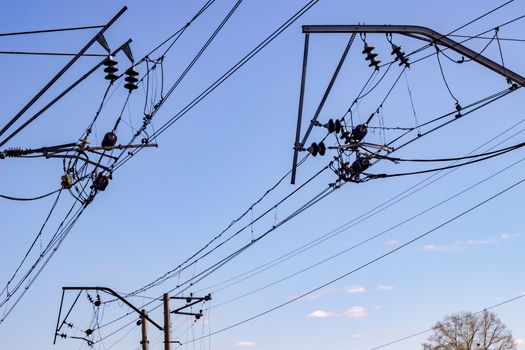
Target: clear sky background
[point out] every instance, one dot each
(212, 164)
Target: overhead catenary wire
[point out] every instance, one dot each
(225, 76)
(373, 261)
(394, 196)
(491, 101)
(24, 199)
(41, 31)
(58, 239)
(361, 218)
(507, 301)
(239, 251)
(373, 237)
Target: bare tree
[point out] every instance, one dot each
(468, 331)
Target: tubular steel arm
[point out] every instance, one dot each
(417, 32)
(425, 32)
(116, 295)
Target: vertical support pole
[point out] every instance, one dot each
(58, 319)
(144, 326)
(297, 146)
(167, 340)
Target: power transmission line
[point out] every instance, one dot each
(370, 262)
(428, 330)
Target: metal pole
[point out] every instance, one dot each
(61, 72)
(62, 94)
(167, 340)
(434, 36)
(144, 327)
(297, 145)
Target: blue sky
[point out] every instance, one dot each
(212, 164)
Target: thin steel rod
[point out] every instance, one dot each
(50, 30)
(50, 53)
(62, 94)
(61, 72)
(436, 38)
(328, 89)
(116, 295)
(297, 145)
(58, 319)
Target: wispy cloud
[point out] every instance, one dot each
(320, 314)
(322, 293)
(245, 344)
(519, 341)
(355, 289)
(356, 312)
(385, 287)
(357, 336)
(466, 244)
(392, 242)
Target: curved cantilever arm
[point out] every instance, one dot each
(116, 295)
(425, 32)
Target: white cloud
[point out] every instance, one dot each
(385, 287)
(466, 244)
(392, 242)
(245, 344)
(479, 242)
(356, 312)
(355, 289)
(320, 314)
(322, 293)
(519, 342)
(357, 336)
(438, 248)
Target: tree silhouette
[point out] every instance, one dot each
(468, 331)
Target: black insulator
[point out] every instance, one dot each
(131, 79)
(400, 55)
(109, 61)
(97, 303)
(111, 76)
(132, 72)
(333, 126)
(131, 86)
(338, 126)
(371, 57)
(88, 331)
(368, 49)
(395, 49)
(360, 165)
(316, 149)
(109, 140)
(359, 133)
(101, 182)
(374, 63)
(139, 322)
(322, 149)
(330, 126)
(111, 69)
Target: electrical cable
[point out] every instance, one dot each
(428, 330)
(32, 53)
(224, 77)
(346, 250)
(50, 30)
(30, 198)
(373, 261)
